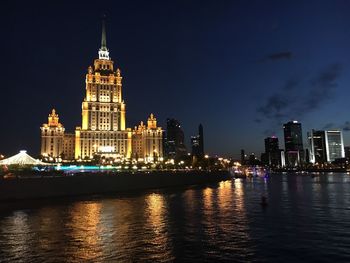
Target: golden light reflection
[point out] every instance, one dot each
(225, 196)
(84, 225)
(157, 220)
(208, 200)
(155, 203)
(239, 196)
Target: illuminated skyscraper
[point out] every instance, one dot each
(317, 144)
(326, 146)
(334, 145)
(103, 129)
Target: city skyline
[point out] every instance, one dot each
(299, 73)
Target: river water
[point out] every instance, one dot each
(306, 219)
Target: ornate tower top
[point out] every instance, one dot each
(53, 119)
(103, 51)
(152, 122)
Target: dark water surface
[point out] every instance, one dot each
(307, 219)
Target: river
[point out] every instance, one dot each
(307, 219)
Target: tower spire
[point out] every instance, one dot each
(103, 52)
(103, 40)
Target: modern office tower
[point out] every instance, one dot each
(174, 143)
(52, 136)
(317, 144)
(326, 146)
(272, 156)
(147, 141)
(197, 143)
(347, 151)
(103, 129)
(293, 140)
(334, 145)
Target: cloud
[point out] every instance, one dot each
(328, 126)
(346, 126)
(278, 56)
(298, 98)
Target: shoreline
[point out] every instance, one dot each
(86, 183)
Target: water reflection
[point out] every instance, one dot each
(85, 231)
(157, 222)
(16, 235)
(220, 223)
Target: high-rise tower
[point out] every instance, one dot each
(293, 140)
(103, 129)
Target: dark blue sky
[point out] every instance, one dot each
(241, 68)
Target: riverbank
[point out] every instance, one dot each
(88, 183)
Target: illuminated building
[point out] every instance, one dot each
(293, 139)
(174, 143)
(147, 141)
(334, 145)
(326, 146)
(317, 144)
(68, 146)
(52, 136)
(103, 129)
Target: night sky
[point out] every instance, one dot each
(241, 68)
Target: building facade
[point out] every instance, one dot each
(293, 140)
(334, 145)
(197, 143)
(317, 146)
(68, 146)
(325, 146)
(147, 141)
(52, 136)
(174, 145)
(103, 130)
(273, 155)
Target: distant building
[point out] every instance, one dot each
(325, 146)
(197, 143)
(273, 155)
(334, 145)
(147, 141)
(293, 140)
(52, 134)
(317, 145)
(347, 152)
(242, 157)
(174, 145)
